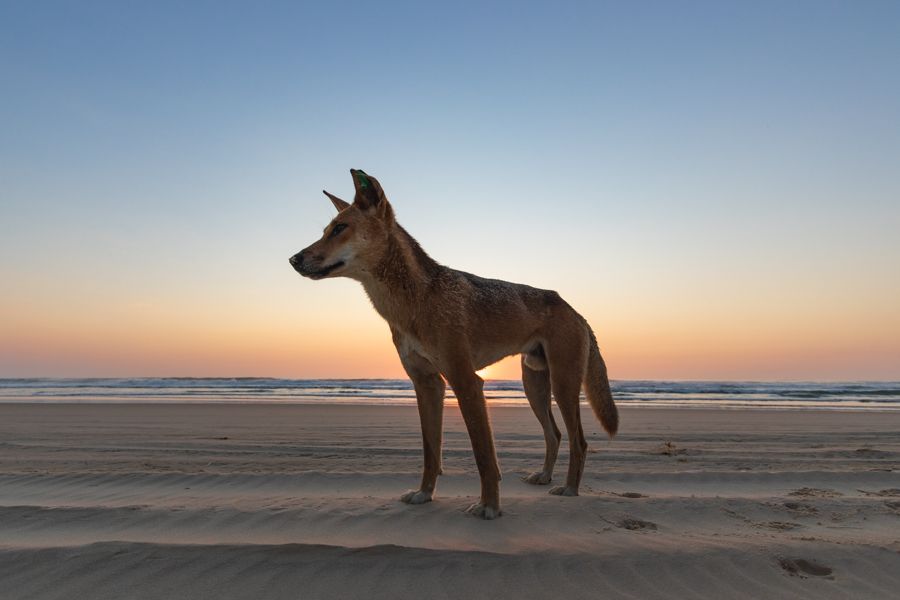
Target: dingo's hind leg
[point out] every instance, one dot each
(537, 390)
(566, 373)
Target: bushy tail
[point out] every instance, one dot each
(596, 388)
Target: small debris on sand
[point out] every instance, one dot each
(636, 525)
(669, 449)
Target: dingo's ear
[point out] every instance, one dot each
(338, 203)
(368, 191)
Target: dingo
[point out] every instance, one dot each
(450, 323)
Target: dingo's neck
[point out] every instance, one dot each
(400, 281)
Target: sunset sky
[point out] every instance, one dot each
(714, 186)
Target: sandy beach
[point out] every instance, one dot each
(292, 501)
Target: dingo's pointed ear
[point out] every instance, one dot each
(368, 191)
(338, 203)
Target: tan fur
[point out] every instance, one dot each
(448, 324)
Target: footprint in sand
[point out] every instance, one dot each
(872, 453)
(636, 525)
(801, 508)
(883, 493)
(800, 567)
(808, 492)
(624, 494)
(778, 525)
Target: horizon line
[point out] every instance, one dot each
(206, 377)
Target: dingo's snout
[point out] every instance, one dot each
(313, 266)
(297, 261)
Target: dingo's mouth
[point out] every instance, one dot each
(324, 272)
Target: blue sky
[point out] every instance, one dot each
(663, 165)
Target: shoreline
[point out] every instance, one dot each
(885, 407)
(869, 396)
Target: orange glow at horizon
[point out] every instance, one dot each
(280, 325)
(141, 342)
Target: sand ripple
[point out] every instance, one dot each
(99, 502)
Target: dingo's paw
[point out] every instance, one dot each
(564, 490)
(416, 497)
(485, 512)
(538, 478)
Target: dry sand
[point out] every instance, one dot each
(276, 501)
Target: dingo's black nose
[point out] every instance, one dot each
(297, 259)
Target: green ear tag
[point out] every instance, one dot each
(363, 179)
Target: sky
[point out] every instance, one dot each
(713, 185)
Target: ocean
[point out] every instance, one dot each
(881, 396)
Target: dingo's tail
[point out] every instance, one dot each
(596, 388)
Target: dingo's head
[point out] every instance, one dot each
(353, 242)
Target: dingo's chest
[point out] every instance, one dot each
(410, 345)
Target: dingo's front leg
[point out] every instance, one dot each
(429, 388)
(430, 398)
(470, 393)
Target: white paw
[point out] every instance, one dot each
(538, 478)
(485, 512)
(563, 490)
(416, 497)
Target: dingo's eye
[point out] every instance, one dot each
(337, 229)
